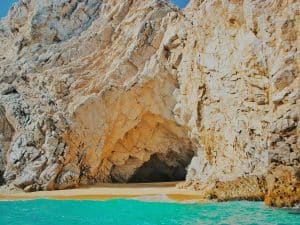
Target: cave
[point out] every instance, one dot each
(155, 150)
(166, 167)
(157, 170)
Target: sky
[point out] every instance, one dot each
(180, 3)
(6, 4)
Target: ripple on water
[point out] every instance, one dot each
(132, 212)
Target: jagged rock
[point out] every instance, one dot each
(8, 89)
(107, 90)
(280, 96)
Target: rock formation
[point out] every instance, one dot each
(133, 91)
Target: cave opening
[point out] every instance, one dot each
(156, 170)
(164, 166)
(155, 150)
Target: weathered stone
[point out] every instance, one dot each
(283, 79)
(108, 90)
(8, 89)
(280, 96)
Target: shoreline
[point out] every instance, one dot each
(162, 192)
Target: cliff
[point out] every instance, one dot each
(133, 91)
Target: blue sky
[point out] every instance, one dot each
(6, 4)
(180, 3)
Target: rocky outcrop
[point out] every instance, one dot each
(7, 133)
(117, 91)
(244, 111)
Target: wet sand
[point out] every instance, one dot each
(144, 191)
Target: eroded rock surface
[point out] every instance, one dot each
(111, 91)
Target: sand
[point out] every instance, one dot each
(144, 191)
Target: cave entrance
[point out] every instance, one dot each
(155, 150)
(156, 170)
(158, 167)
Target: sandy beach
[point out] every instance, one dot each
(144, 191)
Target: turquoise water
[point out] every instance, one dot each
(131, 212)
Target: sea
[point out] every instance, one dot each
(136, 212)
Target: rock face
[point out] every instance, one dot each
(133, 91)
(238, 96)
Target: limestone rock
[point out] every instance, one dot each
(115, 91)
